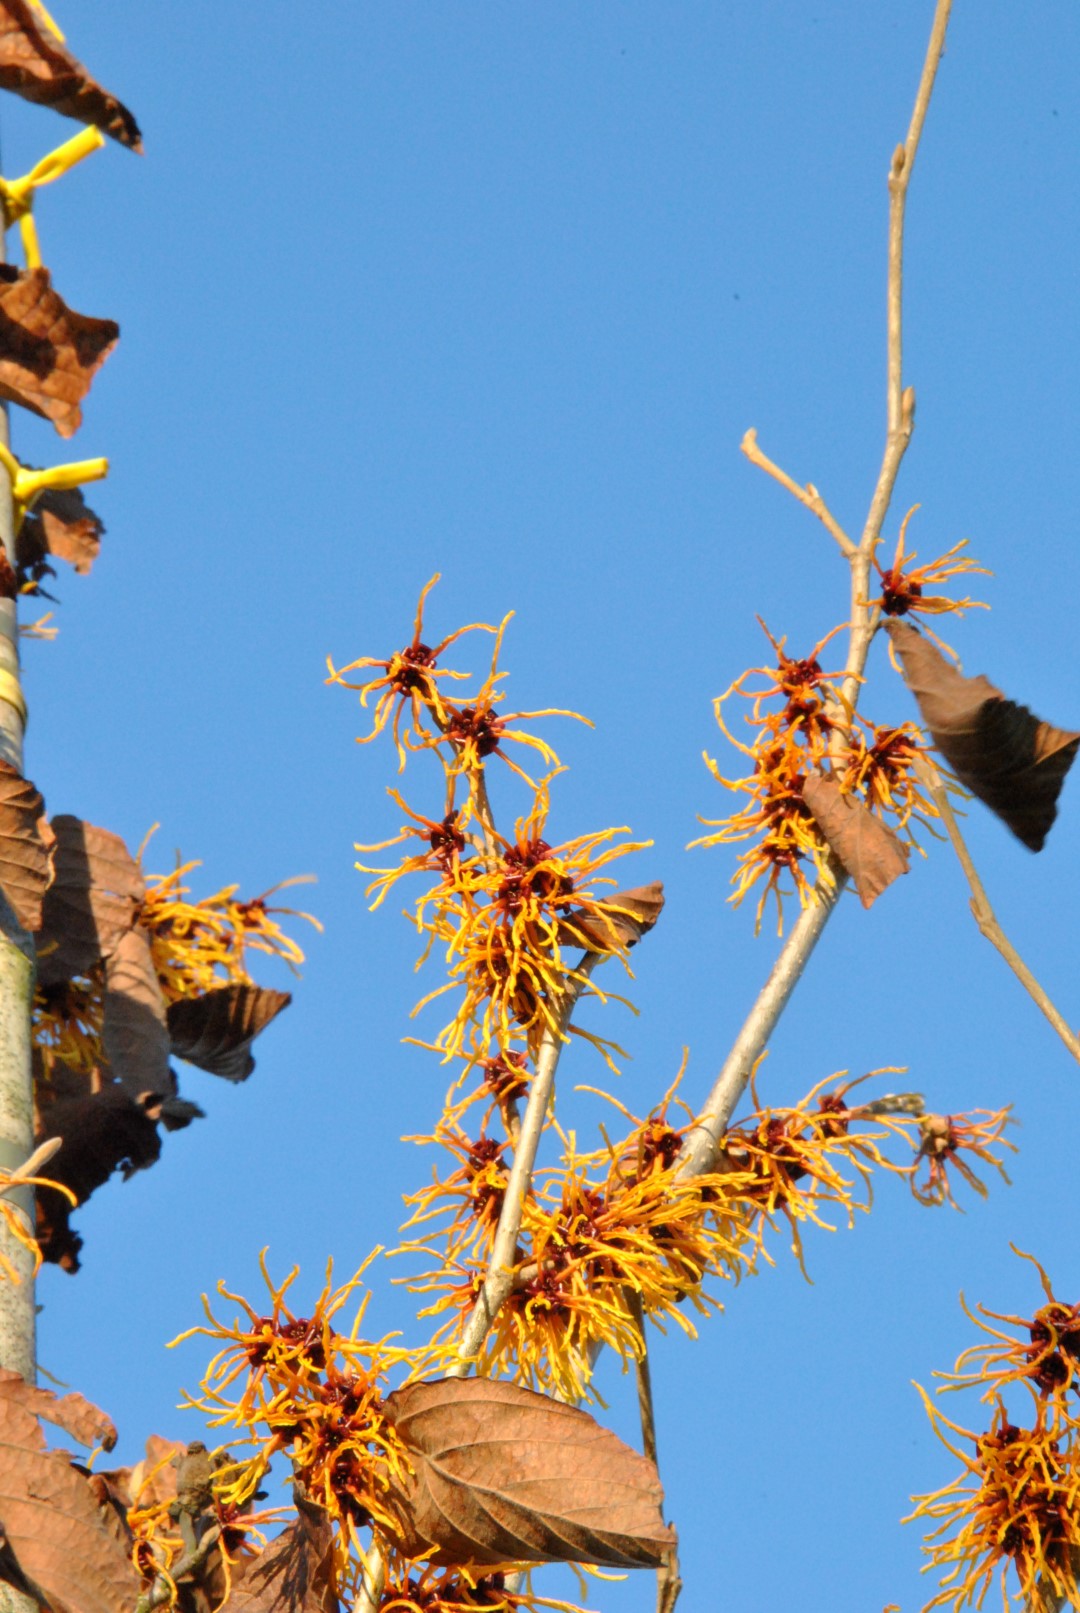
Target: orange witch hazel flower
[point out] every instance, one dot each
(1042, 1351)
(477, 730)
(1013, 1511)
(790, 741)
(295, 1384)
(903, 586)
(511, 925)
(197, 946)
(454, 1590)
(945, 1139)
(407, 681)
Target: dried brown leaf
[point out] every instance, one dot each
(999, 750)
(215, 1031)
(72, 1412)
(134, 1031)
(48, 353)
(295, 1573)
(872, 853)
(60, 524)
(94, 898)
(626, 917)
(101, 1132)
(51, 1521)
(26, 847)
(35, 64)
(503, 1475)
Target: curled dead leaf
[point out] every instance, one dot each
(134, 1031)
(26, 847)
(101, 1132)
(52, 1523)
(215, 1031)
(872, 854)
(37, 65)
(49, 354)
(94, 898)
(61, 525)
(999, 750)
(624, 919)
(503, 1475)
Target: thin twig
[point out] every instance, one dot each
(30, 1167)
(703, 1139)
(668, 1580)
(807, 495)
(700, 1145)
(984, 914)
(499, 1279)
(160, 1591)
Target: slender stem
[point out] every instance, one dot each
(160, 1591)
(668, 1580)
(499, 1280)
(808, 495)
(985, 917)
(703, 1139)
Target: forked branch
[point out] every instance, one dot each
(699, 1150)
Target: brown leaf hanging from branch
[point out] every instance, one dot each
(61, 525)
(503, 1475)
(134, 1033)
(295, 1573)
(48, 353)
(627, 917)
(35, 64)
(26, 846)
(215, 1031)
(51, 1521)
(1008, 758)
(871, 853)
(94, 898)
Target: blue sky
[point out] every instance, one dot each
(496, 290)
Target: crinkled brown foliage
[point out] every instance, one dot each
(65, 1549)
(62, 526)
(49, 354)
(295, 1573)
(26, 846)
(35, 64)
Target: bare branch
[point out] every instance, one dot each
(700, 1145)
(703, 1139)
(808, 495)
(984, 915)
(499, 1280)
